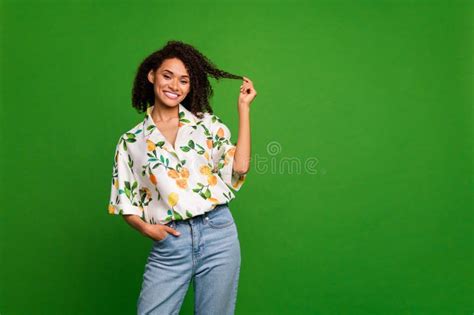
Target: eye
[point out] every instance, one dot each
(184, 82)
(166, 76)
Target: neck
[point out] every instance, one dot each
(164, 113)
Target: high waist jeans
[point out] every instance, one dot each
(208, 253)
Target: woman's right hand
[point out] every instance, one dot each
(158, 232)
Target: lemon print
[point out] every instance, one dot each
(205, 170)
(184, 172)
(212, 180)
(182, 183)
(173, 174)
(220, 133)
(111, 208)
(231, 152)
(239, 182)
(153, 179)
(116, 184)
(206, 155)
(213, 200)
(173, 199)
(209, 143)
(150, 145)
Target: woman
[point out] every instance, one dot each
(173, 177)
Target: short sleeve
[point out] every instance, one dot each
(223, 154)
(124, 198)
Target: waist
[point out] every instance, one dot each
(200, 216)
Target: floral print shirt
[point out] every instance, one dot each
(160, 183)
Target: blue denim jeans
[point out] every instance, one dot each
(208, 253)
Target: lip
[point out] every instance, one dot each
(177, 95)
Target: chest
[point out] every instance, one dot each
(169, 130)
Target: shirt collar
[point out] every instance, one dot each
(186, 118)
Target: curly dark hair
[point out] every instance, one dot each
(198, 67)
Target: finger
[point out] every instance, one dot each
(172, 231)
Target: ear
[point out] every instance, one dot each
(151, 76)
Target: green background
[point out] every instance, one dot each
(379, 92)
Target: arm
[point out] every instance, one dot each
(137, 223)
(242, 150)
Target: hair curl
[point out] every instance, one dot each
(199, 68)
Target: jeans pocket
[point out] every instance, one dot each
(163, 239)
(169, 224)
(220, 219)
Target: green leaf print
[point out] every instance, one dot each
(150, 127)
(127, 192)
(175, 155)
(177, 215)
(185, 149)
(189, 214)
(206, 131)
(191, 144)
(200, 147)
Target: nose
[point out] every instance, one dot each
(174, 85)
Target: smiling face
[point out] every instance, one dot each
(171, 82)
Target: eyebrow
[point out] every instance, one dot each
(173, 73)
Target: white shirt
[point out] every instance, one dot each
(160, 183)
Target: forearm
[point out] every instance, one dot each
(242, 152)
(137, 223)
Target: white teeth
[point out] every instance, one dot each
(171, 95)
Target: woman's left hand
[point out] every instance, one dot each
(247, 92)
